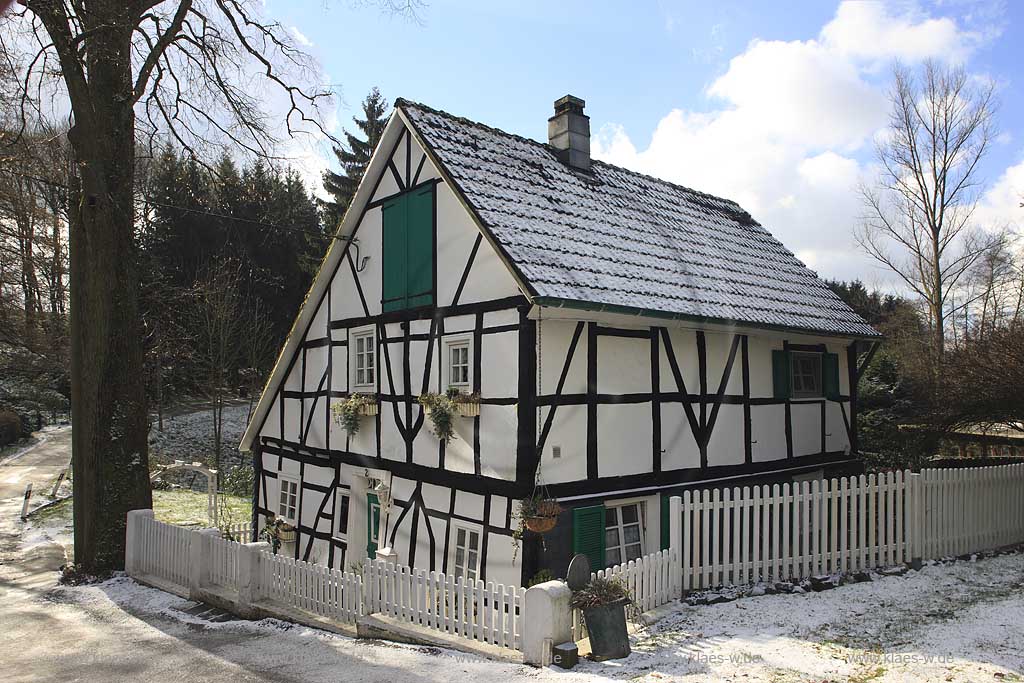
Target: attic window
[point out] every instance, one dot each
(409, 250)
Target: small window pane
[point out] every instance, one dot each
(611, 537)
(611, 516)
(613, 557)
(631, 534)
(629, 515)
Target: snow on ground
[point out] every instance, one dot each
(957, 622)
(189, 436)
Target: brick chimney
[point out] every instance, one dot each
(569, 132)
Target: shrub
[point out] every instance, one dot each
(10, 427)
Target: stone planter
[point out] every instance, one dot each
(606, 626)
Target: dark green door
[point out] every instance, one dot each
(372, 524)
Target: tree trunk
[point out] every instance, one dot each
(110, 452)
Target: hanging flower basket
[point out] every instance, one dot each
(539, 515)
(541, 525)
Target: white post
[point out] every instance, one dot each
(548, 612)
(199, 560)
(250, 576)
(915, 542)
(675, 545)
(24, 505)
(132, 532)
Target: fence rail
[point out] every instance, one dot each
(794, 531)
(487, 612)
(204, 566)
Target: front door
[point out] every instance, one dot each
(372, 524)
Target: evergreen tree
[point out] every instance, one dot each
(354, 158)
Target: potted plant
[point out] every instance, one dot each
(277, 531)
(603, 603)
(539, 514)
(348, 412)
(441, 408)
(468, 405)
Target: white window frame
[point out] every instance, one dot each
(462, 341)
(355, 336)
(281, 481)
(339, 494)
(819, 392)
(469, 528)
(643, 515)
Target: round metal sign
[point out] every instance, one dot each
(578, 574)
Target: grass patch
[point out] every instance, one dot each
(186, 508)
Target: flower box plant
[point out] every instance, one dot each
(603, 602)
(442, 408)
(348, 411)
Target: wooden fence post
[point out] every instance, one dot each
(675, 543)
(915, 540)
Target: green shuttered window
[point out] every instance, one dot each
(783, 368)
(409, 250)
(588, 534)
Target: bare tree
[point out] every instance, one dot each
(194, 71)
(919, 217)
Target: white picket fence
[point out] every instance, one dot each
(203, 566)
(487, 612)
(240, 533)
(162, 550)
(793, 531)
(972, 509)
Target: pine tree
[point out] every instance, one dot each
(355, 158)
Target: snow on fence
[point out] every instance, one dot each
(487, 612)
(793, 531)
(328, 593)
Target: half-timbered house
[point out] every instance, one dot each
(628, 338)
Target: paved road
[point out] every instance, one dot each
(41, 465)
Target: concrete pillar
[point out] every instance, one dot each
(133, 540)
(250, 577)
(549, 618)
(387, 555)
(199, 561)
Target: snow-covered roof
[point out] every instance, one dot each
(621, 241)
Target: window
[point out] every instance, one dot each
(623, 533)
(409, 250)
(288, 502)
(341, 508)
(806, 374)
(466, 553)
(458, 363)
(365, 359)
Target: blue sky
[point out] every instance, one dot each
(774, 105)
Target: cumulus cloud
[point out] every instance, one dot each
(791, 125)
(1000, 207)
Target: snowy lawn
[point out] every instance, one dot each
(958, 622)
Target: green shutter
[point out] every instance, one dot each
(395, 294)
(588, 534)
(665, 536)
(420, 248)
(830, 375)
(780, 374)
